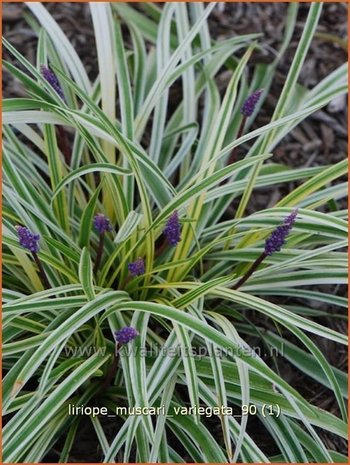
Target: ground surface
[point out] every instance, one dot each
(320, 140)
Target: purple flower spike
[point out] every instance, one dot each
(102, 223)
(27, 239)
(51, 78)
(250, 103)
(137, 268)
(172, 229)
(278, 237)
(125, 335)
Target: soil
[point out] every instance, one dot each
(320, 140)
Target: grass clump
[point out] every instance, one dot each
(130, 245)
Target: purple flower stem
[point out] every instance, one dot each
(99, 252)
(250, 271)
(112, 370)
(247, 110)
(273, 244)
(239, 134)
(43, 276)
(161, 248)
(231, 158)
(127, 280)
(64, 144)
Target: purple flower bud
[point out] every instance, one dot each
(249, 105)
(125, 335)
(51, 78)
(137, 268)
(27, 239)
(102, 223)
(172, 229)
(278, 237)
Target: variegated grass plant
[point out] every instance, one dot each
(135, 232)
